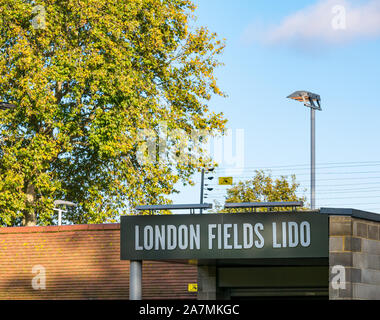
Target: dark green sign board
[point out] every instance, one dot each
(224, 236)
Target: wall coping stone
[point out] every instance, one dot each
(354, 213)
(64, 228)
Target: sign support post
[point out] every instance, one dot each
(135, 275)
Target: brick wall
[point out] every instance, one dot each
(355, 244)
(81, 262)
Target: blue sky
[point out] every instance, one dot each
(277, 47)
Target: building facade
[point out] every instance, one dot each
(83, 262)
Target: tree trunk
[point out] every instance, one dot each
(30, 218)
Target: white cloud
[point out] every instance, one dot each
(326, 22)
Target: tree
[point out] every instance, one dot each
(263, 188)
(89, 77)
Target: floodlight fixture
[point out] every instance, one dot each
(309, 99)
(7, 106)
(60, 211)
(64, 202)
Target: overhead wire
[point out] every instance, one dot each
(220, 191)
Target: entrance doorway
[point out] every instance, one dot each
(273, 282)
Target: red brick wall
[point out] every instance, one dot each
(81, 262)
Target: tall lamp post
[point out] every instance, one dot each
(312, 101)
(60, 211)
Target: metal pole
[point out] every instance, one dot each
(312, 162)
(59, 217)
(135, 272)
(202, 187)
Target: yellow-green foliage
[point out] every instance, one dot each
(86, 75)
(263, 188)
